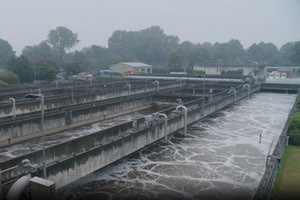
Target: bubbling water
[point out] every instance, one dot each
(220, 158)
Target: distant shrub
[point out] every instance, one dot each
(294, 135)
(160, 69)
(294, 127)
(2, 83)
(295, 121)
(199, 72)
(37, 82)
(98, 78)
(64, 82)
(9, 77)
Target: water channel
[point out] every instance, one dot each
(221, 158)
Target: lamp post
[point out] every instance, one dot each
(203, 102)
(145, 85)
(40, 97)
(72, 93)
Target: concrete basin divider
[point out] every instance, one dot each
(78, 157)
(21, 129)
(18, 130)
(62, 100)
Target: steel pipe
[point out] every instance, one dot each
(185, 117)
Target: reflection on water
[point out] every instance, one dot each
(221, 158)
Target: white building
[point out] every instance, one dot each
(246, 70)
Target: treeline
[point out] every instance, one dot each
(150, 45)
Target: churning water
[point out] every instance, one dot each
(221, 158)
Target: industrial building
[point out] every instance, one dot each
(245, 70)
(130, 68)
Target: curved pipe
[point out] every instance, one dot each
(13, 101)
(157, 85)
(166, 124)
(18, 187)
(180, 81)
(72, 94)
(185, 117)
(232, 90)
(247, 86)
(129, 88)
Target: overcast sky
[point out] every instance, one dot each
(27, 22)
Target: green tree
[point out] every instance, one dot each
(22, 67)
(285, 53)
(38, 52)
(74, 68)
(9, 77)
(150, 45)
(189, 50)
(62, 39)
(175, 60)
(125, 44)
(155, 45)
(201, 56)
(295, 54)
(78, 57)
(46, 70)
(194, 54)
(236, 51)
(263, 53)
(230, 53)
(99, 57)
(6, 52)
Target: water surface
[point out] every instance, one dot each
(221, 158)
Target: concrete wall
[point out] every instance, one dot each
(16, 131)
(74, 159)
(66, 99)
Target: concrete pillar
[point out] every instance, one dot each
(42, 189)
(69, 117)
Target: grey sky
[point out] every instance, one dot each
(27, 22)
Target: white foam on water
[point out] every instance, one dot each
(220, 159)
